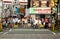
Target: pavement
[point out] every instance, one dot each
(29, 34)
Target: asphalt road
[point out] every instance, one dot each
(29, 34)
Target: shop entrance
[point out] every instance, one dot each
(44, 20)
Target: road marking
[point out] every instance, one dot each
(54, 33)
(10, 30)
(5, 33)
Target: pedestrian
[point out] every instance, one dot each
(40, 24)
(4, 24)
(46, 23)
(36, 24)
(11, 23)
(23, 23)
(26, 23)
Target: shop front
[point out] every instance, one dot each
(44, 14)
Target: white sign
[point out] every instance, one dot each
(43, 1)
(23, 2)
(46, 10)
(7, 1)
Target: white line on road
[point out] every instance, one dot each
(7, 32)
(54, 33)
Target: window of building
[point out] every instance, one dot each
(39, 3)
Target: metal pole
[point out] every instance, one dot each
(2, 8)
(12, 8)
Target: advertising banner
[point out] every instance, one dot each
(46, 10)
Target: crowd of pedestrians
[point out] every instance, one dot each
(25, 23)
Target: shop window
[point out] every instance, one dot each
(43, 3)
(39, 3)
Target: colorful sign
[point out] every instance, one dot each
(46, 10)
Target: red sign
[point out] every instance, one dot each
(7, 1)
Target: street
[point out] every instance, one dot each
(29, 34)
(29, 19)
